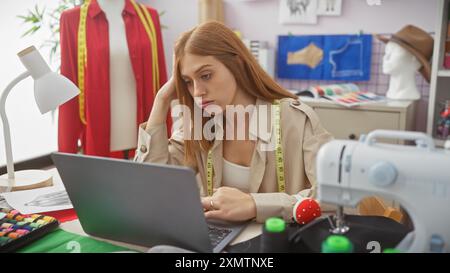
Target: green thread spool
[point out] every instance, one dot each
(274, 238)
(337, 244)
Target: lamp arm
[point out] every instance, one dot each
(6, 130)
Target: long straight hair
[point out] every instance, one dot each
(216, 40)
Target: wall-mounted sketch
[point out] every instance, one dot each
(298, 11)
(329, 7)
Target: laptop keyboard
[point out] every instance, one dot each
(216, 235)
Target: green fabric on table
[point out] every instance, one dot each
(60, 241)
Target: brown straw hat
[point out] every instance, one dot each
(417, 42)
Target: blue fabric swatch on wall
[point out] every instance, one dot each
(297, 71)
(345, 57)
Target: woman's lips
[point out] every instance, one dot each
(206, 103)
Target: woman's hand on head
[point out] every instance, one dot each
(229, 204)
(167, 92)
(162, 103)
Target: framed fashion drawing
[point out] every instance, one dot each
(298, 11)
(329, 7)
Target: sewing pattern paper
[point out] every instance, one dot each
(339, 60)
(325, 57)
(310, 56)
(39, 200)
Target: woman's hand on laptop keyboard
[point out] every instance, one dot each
(229, 204)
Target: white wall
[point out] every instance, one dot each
(180, 16)
(258, 19)
(32, 134)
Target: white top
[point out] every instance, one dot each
(122, 82)
(235, 176)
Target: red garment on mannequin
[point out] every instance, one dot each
(95, 135)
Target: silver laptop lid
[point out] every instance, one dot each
(138, 203)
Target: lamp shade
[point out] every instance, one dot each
(50, 89)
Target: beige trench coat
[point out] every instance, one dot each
(302, 136)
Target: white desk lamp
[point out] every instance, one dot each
(50, 91)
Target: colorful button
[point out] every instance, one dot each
(14, 235)
(22, 231)
(23, 223)
(41, 222)
(23, 227)
(12, 214)
(48, 219)
(35, 225)
(11, 221)
(6, 225)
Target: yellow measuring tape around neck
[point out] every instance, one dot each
(279, 161)
(149, 27)
(279, 149)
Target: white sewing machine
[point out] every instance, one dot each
(418, 177)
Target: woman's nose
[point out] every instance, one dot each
(199, 90)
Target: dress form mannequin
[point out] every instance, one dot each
(401, 65)
(122, 81)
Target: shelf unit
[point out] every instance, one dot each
(440, 77)
(351, 123)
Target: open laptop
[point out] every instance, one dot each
(141, 203)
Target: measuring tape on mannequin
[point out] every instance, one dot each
(82, 57)
(147, 22)
(278, 154)
(149, 27)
